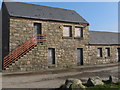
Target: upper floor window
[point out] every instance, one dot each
(99, 52)
(67, 31)
(78, 32)
(107, 52)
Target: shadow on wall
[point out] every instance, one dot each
(0, 40)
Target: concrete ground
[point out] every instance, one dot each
(54, 80)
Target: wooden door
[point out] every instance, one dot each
(51, 56)
(37, 29)
(79, 56)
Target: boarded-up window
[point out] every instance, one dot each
(99, 52)
(78, 32)
(67, 31)
(107, 52)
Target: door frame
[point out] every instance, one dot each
(80, 59)
(53, 56)
(37, 31)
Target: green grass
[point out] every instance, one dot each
(104, 87)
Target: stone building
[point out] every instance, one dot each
(36, 37)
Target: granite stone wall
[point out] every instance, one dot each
(93, 54)
(65, 48)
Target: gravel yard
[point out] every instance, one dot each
(54, 80)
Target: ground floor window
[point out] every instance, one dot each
(51, 55)
(107, 52)
(118, 54)
(99, 52)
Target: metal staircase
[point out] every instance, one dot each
(23, 49)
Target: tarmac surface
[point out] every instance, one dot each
(55, 78)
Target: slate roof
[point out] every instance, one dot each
(19, 9)
(98, 37)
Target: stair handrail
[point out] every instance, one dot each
(23, 44)
(24, 48)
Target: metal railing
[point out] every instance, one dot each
(23, 49)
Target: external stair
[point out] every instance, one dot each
(23, 51)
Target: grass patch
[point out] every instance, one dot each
(105, 87)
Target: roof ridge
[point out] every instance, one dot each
(43, 6)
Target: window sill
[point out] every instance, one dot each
(66, 37)
(99, 57)
(81, 38)
(108, 57)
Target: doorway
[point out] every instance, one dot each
(37, 29)
(51, 55)
(79, 56)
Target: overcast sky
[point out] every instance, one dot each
(102, 16)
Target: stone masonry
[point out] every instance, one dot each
(94, 59)
(69, 41)
(65, 48)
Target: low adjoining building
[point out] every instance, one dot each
(36, 37)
